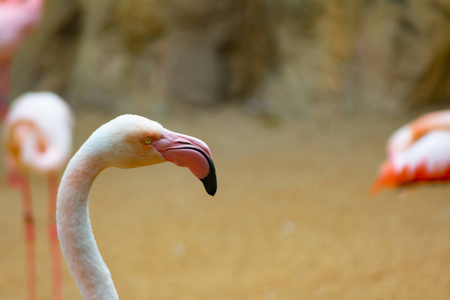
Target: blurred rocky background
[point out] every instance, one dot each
(293, 57)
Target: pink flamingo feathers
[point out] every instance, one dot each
(129, 141)
(17, 20)
(417, 152)
(37, 134)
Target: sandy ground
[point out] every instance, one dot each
(291, 219)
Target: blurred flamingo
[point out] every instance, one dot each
(417, 152)
(37, 134)
(17, 20)
(128, 141)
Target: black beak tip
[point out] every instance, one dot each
(210, 181)
(210, 186)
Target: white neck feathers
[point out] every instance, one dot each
(75, 232)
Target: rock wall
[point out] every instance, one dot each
(382, 56)
(294, 56)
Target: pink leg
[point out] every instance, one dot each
(22, 183)
(53, 236)
(5, 75)
(29, 237)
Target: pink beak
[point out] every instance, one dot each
(187, 151)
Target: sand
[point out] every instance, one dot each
(292, 218)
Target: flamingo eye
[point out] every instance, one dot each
(148, 141)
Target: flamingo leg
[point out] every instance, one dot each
(55, 252)
(5, 78)
(30, 235)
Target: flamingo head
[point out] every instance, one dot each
(400, 140)
(131, 141)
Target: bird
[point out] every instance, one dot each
(418, 152)
(128, 141)
(37, 137)
(17, 20)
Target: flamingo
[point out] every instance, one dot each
(37, 134)
(417, 152)
(128, 141)
(17, 20)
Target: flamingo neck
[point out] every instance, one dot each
(432, 121)
(42, 161)
(31, 12)
(38, 152)
(75, 232)
(5, 70)
(36, 6)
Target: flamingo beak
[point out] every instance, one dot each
(187, 151)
